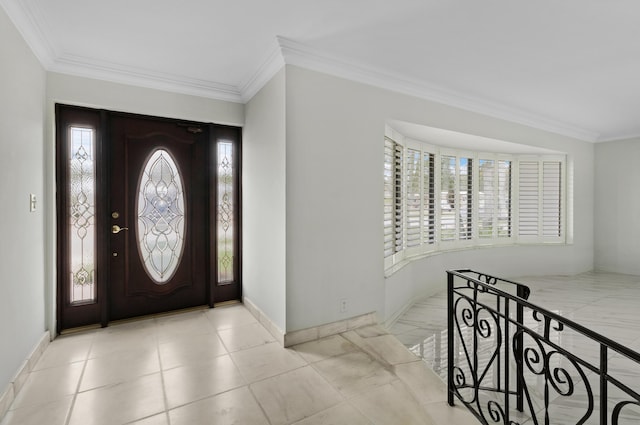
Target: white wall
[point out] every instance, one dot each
(87, 92)
(335, 132)
(617, 210)
(264, 200)
(22, 300)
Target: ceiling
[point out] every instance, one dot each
(461, 141)
(571, 66)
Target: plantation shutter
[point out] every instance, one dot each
(413, 197)
(504, 199)
(551, 199)
(397, 213)
(529, 199)
(486, 198)
(429, 201)
(447, 198)
(389, 197)
(540, 200)
(465, 189)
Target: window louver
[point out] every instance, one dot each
(504, 199)
(429, 205)
(413, 197)
(392, 197)
(435, 200)
(486, 198)
(551, 198)
(529, 198)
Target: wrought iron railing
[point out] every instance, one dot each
(512, 362)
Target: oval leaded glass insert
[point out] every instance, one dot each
(161, 216)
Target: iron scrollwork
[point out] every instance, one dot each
(496, 358)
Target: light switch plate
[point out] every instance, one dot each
(32, 202)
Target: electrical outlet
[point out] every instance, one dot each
(343, 305)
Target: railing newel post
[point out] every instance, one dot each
(506, 362)
(604, 370)
(450, 338)
(519, 355)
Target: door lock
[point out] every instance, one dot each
(117, 229)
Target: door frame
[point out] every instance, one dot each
(93, 314)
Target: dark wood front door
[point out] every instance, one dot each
(159, 208)
(148, 215)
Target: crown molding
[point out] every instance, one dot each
(108, 71)
(24, 18)
(269, 67)
(298, 54)
(284, 51)
(618, 137)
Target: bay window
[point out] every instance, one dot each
(437, 198)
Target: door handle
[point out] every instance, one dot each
(117, 229)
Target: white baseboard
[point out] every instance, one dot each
(274, 330)
(311, 334)
(402, 310)
(317, 332)
(13, 389)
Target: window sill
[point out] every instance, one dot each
(394, 268)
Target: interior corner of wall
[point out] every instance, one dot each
(264, 320)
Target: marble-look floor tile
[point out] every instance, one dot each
(265, 361)
(123, 337)
(325, 348)
(354, 373)
(342, 414)
(51, 413)
(66, 349)
(236, 407)
(189, 349)
(294, 395)
(424, 384)
(229, 317)
(191, 323)
(186, 384)
(383, 346)
(160, 419)
(441, 413)
(176, 370)
(47, 385)
(120, 403)
(391, 404)
(370, 331)
(127, 365)
(245, 336)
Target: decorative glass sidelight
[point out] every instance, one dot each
(81, 219)
(160, 216)
(226, 212)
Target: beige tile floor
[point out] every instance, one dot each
(220, 366)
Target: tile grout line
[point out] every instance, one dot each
(204, 397)
(75, 394)
(164, 389)
(345, 399)
(258, 403)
